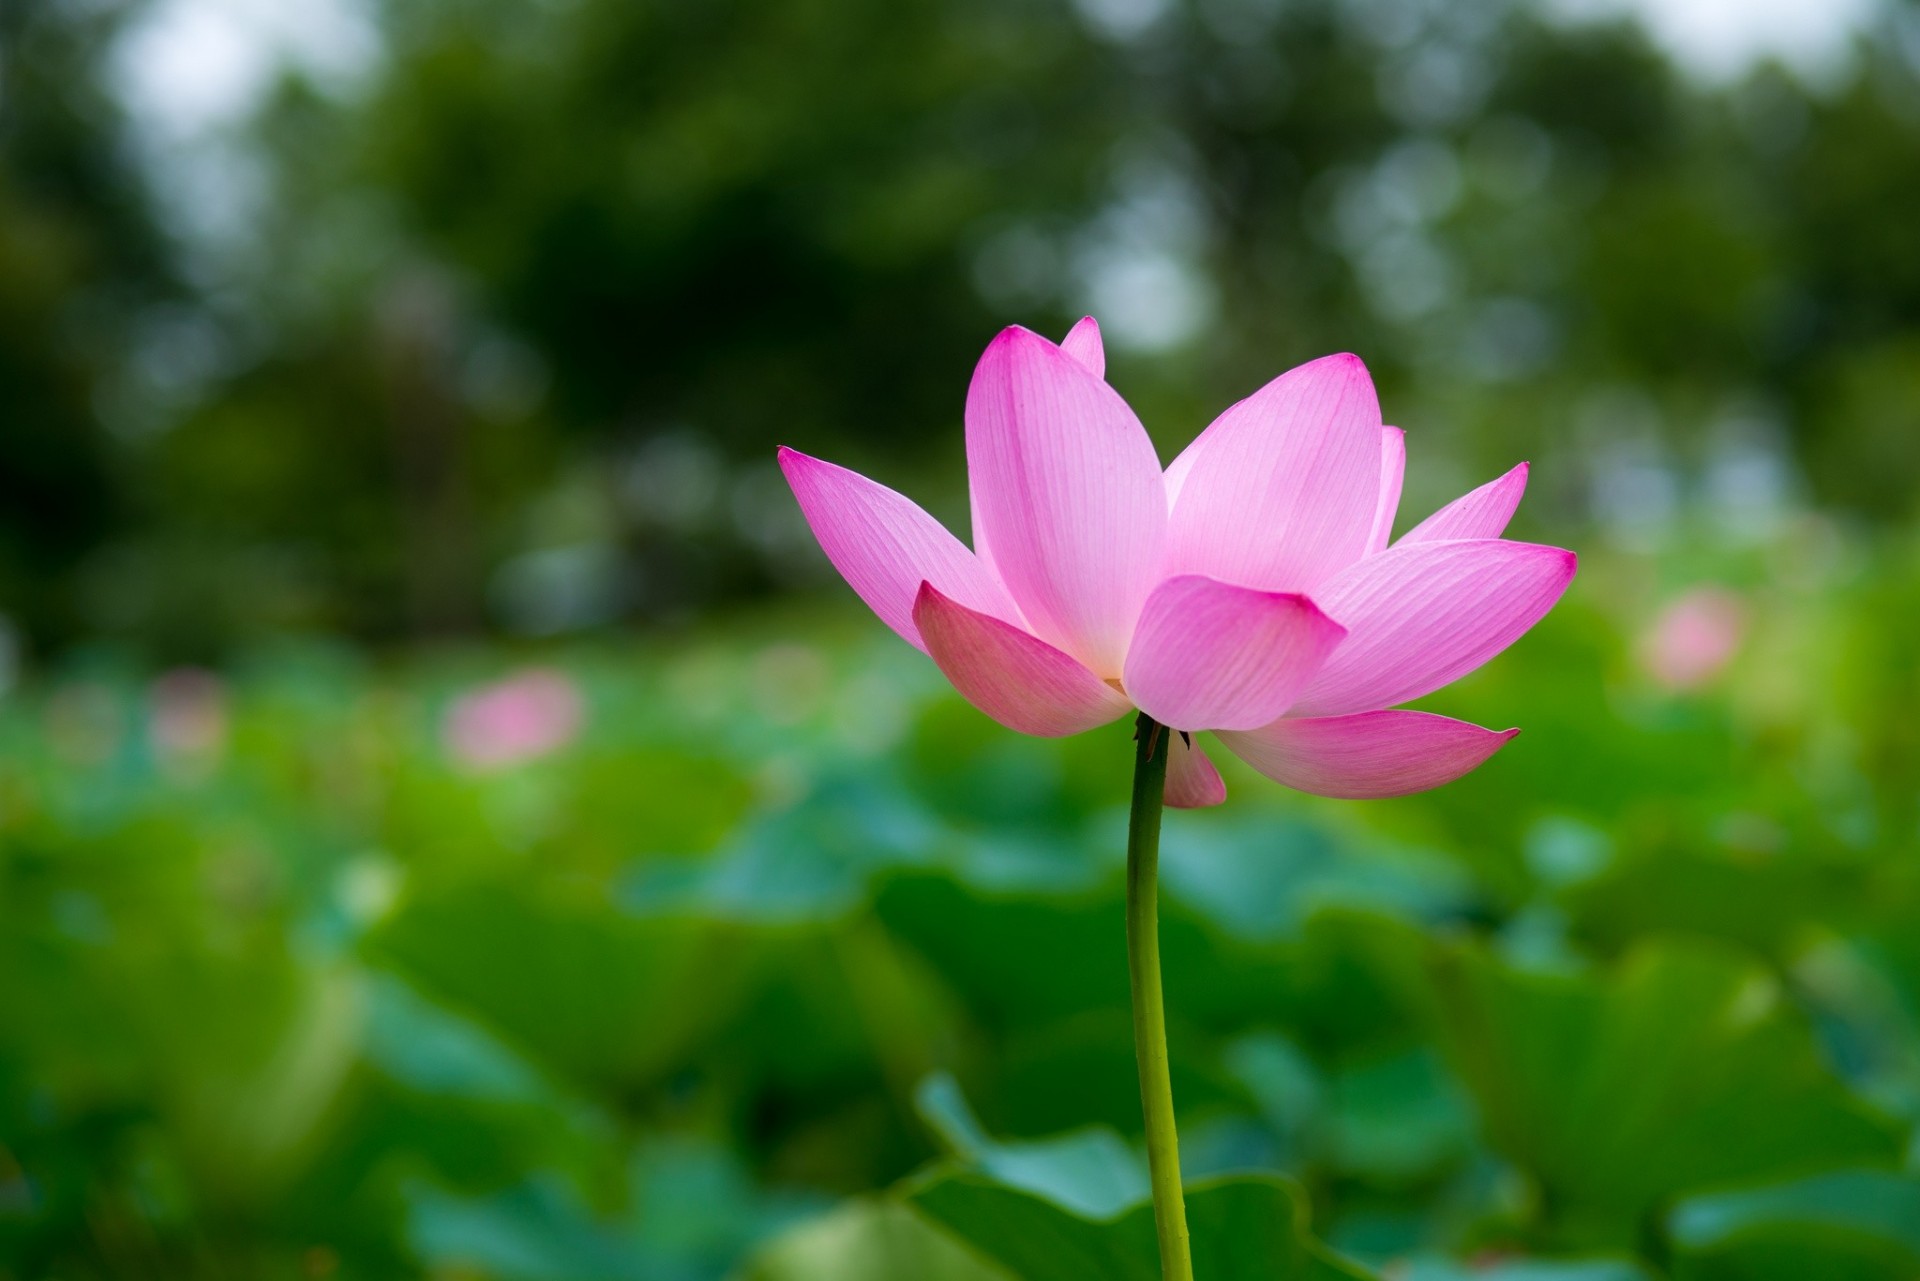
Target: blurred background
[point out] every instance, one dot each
(453, 822)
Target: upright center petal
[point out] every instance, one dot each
(1067, 493)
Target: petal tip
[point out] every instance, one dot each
(1563, 559)
(1330, 627)
(1016, 334)
(792, 461)
(1349, 364)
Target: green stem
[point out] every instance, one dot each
(1149, 1012)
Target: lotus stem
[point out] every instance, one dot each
(1151, 746)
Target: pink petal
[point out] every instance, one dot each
(1393, 473)
(1176, 476)
(1209, 655)
(1280, 492)
(885, 546)
(1484, 513)
(1192, 781)
(1367, 756)
(1421, 615)
(1083, 344)
(1024, 683)
(1067, 494)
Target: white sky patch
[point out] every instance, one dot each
(193, 72)
(188, 66)
(1718, 41)
(1139, 264)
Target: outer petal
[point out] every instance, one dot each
(1484, 513)
(1024, 683)
(1280, 492)
(1393, 473)
(1083, 344)
(1067, 493)
(1421, 615)
(1192, 781)
(1209, 655)
(885, 546)
(1371, 755)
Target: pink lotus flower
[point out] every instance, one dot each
(1247, 589)
(1694, 638)
(534, 712)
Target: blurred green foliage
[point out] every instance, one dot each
(499, 331)
(782, 963)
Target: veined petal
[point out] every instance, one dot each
(1067, 493)
(1366, 756)
(1083, 344)
(1280, 492)
(1421, 615)
(1393, 474)
(1192, 781)
(1020, 681)
(885, 546)
(1176, 476)
(1484, 513)
(1209, 655)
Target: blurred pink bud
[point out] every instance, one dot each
(523, 717)
(1693, 639)
(187, 716)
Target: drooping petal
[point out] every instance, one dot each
(1484, 513)
(1280, 492)
(1209, 655)
(1067, 493)
(885, 546)
(1366, 756)
(1192, 781)
(1083, 344)
(1421, 615)
(1020, 681)
(1393, 474)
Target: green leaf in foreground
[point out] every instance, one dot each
(1429, 1269)
(1245, 1228)
(1683, 1069)
(869, 1241)
(1090, 1172)
(1849, 1225)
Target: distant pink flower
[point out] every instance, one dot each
(187, 716)
(1248, 589)
(525, 716)
(1694, 638)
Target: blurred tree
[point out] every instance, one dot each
(82, 264)
(523, 312)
